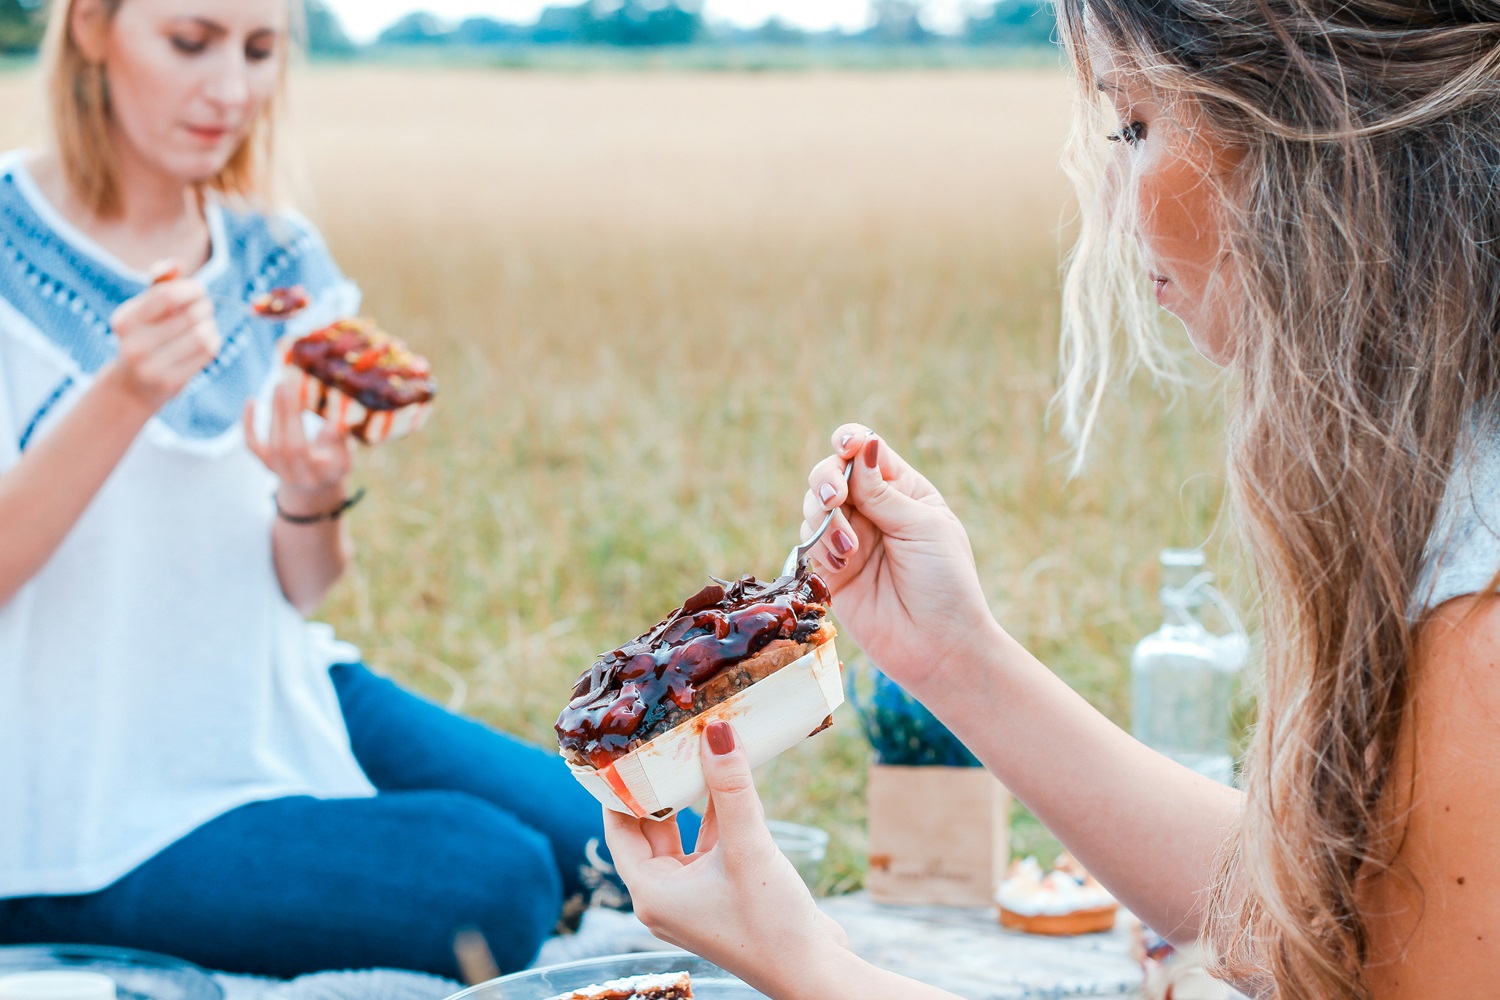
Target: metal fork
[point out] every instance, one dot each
(798, 555)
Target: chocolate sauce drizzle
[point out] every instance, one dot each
(364, 364)
(636, 686)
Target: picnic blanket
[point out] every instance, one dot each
(603, 932)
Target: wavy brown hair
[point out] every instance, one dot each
(1361, 266)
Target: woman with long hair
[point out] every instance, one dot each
(186, 765)
(1313, 188)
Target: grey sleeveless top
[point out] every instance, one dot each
(1463, 553)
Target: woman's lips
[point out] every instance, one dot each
(208, 134)
(1161, 287)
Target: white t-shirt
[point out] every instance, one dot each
(152, 675)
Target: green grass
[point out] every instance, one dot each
(650, 298)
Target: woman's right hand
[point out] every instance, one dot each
(897, 560)
(167, 334)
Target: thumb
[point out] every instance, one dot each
(875, 495)
(731, 789)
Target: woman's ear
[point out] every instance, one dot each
(88, 23)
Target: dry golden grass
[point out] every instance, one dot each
(651, 298)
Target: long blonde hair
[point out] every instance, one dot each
(1362, 239)
(79, 104)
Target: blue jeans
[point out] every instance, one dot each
(471, 829)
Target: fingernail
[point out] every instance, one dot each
(843, 543)
(844, 441)
(837, 563)
(872, 453)
(826, 493)
(720, 738)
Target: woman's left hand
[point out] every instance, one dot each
(313, 470)
(736, 900)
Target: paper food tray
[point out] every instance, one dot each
(769, 717)
(350, 416)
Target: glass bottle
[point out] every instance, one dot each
(1183, 676)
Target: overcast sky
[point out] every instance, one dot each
(365, 18)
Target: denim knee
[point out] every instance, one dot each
(514, 889)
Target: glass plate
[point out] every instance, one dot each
(138, 975)
(709, 981)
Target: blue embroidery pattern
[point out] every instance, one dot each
(68, 295)
(42, 411)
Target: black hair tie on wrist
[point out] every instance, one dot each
(327, 515)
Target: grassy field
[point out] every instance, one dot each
(651, 297)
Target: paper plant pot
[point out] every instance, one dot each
(770, 717)
(938, 835)
(349, 415)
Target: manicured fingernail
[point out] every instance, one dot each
(843, 543)
(720, 738)
(844, 441)
(826, 493)
(837, 563)
(872, 453)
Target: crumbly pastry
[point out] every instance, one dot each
(725, 638)
(670, 986)
(281, 303)
(1066, 900)
(367, 382)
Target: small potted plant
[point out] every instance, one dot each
(939, 822)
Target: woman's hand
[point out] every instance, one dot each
(897, 560)
(167, 335)
(314, 471)
(736, 900)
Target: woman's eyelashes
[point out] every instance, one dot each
(256, 51)
(189, 46)
(1129, 134)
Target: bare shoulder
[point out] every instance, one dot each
(1435, 919)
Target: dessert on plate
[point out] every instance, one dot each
(668, 986)
(281, 303)
(758, 654)
(364, 380)
(1066, 900)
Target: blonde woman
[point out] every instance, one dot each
(186, 765)
(1313, 188)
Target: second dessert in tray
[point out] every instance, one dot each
(758, 654)
(669, 986)
(366, 381)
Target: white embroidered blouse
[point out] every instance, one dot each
(152, 675)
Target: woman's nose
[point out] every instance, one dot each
(229, 86)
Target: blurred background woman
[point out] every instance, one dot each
(187, 766)
(1313, 188)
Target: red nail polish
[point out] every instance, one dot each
(872, 453)
(720, 738)
(838, 563)
(843, 543)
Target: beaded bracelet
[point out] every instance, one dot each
(329, 515)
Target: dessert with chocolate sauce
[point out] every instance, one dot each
(668, 986)
(371, 384)
(281, 303)
(723, 639)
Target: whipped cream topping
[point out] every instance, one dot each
(1031, 892)
(617, 989)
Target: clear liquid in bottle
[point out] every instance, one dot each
(1183, 676)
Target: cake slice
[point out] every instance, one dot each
(723, 639)
(361, 378)
(281, 303)
(758, 655)
(669, 986)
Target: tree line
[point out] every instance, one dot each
(623, 23)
